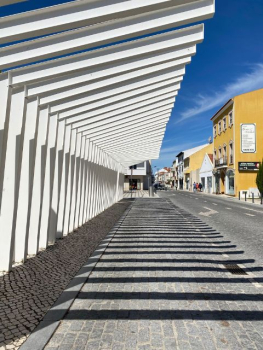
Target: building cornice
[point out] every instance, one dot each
(222, 109)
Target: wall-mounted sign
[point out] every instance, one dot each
(248, 166)
(248, 138)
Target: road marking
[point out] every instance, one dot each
(205, 201)
(214, 203)
(209, 212)
(229, 208)
(256, 211)
(249, 214)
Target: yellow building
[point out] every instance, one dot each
(238, 143)
(192, 165)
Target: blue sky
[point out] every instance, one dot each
(229, 62)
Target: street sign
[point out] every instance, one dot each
(248, 166)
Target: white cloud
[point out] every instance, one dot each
(247, 82)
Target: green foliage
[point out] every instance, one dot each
(259, 180)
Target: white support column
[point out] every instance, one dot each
(5, 97)
(70, 182)
(64, 182)
(84, 185)
(75, 183)
(56, 187)
(10, 164)
(26, 180)
(48, 181)
(79, 182)
(38, 181)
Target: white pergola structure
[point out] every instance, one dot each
(73, 121)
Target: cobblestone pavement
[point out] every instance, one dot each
(161, 284)
(31, 289)
(136, 194)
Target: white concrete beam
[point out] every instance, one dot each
(107, 115)
(10, 2)
(104, 33)
(76, 114)
(109, 135)
(101, 125)
(74, 65)
(114, 72)
(72, 15)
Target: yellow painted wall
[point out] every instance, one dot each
(223, 138)
(197, 158)
(248, 108)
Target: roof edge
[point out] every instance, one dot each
(223, 108)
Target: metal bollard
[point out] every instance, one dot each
(245, 196)
(253, 200)
(261, 198)
(151, 191)
(239, 195)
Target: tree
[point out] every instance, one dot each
(259, 180)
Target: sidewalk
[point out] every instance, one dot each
(29, 290)
(160, 281)
(224, 196)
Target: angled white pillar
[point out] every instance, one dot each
(64, 182)
(57, 180)
(38, 181)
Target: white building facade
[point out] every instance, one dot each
(138, 177)
(206, 174)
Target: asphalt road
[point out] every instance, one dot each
(239, 223)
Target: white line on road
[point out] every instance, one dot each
(249, 214)
(229, 208)
(256, 211)
(209, 212)
(214, 203)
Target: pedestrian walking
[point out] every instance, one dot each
(197, 186)
(200, 186)
(194, 187)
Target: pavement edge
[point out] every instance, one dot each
(41, 335)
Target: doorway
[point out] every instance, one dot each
(134, 184)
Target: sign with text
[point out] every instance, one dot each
(248, 166)
(248, 138)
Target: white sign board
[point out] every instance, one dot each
(248, 138)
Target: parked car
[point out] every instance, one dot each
(159, 186)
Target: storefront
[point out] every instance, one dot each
(217, 177)
(230, 182)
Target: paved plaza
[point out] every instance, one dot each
(28, 292)
(164, 281)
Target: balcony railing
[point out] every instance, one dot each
(221, 161)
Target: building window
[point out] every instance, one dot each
(214, 130)
(224, 151)
(219, 152)
(215, 155)
(231, 153)
(230, 118)
(224, 123)
(219, 128)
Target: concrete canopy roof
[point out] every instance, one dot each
(57, 98)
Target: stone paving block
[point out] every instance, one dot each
(160, 285)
